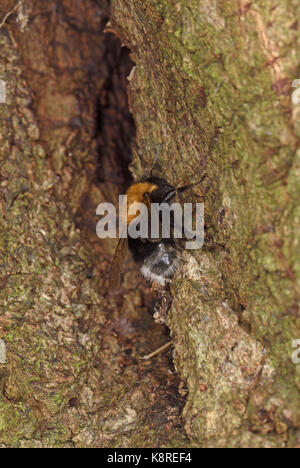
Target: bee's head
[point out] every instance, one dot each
(156, 189)
(163, 191)
(152, 190)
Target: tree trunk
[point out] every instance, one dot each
(212, 85)
(211, 92)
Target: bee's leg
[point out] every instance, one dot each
(187, 187)
(211, 244)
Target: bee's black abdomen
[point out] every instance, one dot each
(140, 249)
(158, 260)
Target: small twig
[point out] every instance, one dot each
(157, 351)
(10, 13)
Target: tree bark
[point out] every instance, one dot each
(211, 90)
(70, 373)
(212, 87)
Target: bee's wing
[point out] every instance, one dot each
(117, 263)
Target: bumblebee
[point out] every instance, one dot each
(158, 259)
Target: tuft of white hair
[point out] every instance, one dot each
(160, 280)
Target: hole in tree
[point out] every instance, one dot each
(115, 127)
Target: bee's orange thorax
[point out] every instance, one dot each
(135, 194)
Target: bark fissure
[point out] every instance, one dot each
(207, 66)
(72, 376)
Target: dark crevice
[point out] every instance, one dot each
(87, 132)
(115, 127)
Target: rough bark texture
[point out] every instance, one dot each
(211, 88)
(212, 85)
(72, 376)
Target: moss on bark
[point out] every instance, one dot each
(72, 377)
(212, 86)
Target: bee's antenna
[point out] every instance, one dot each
(155, 158)
(186, 187)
